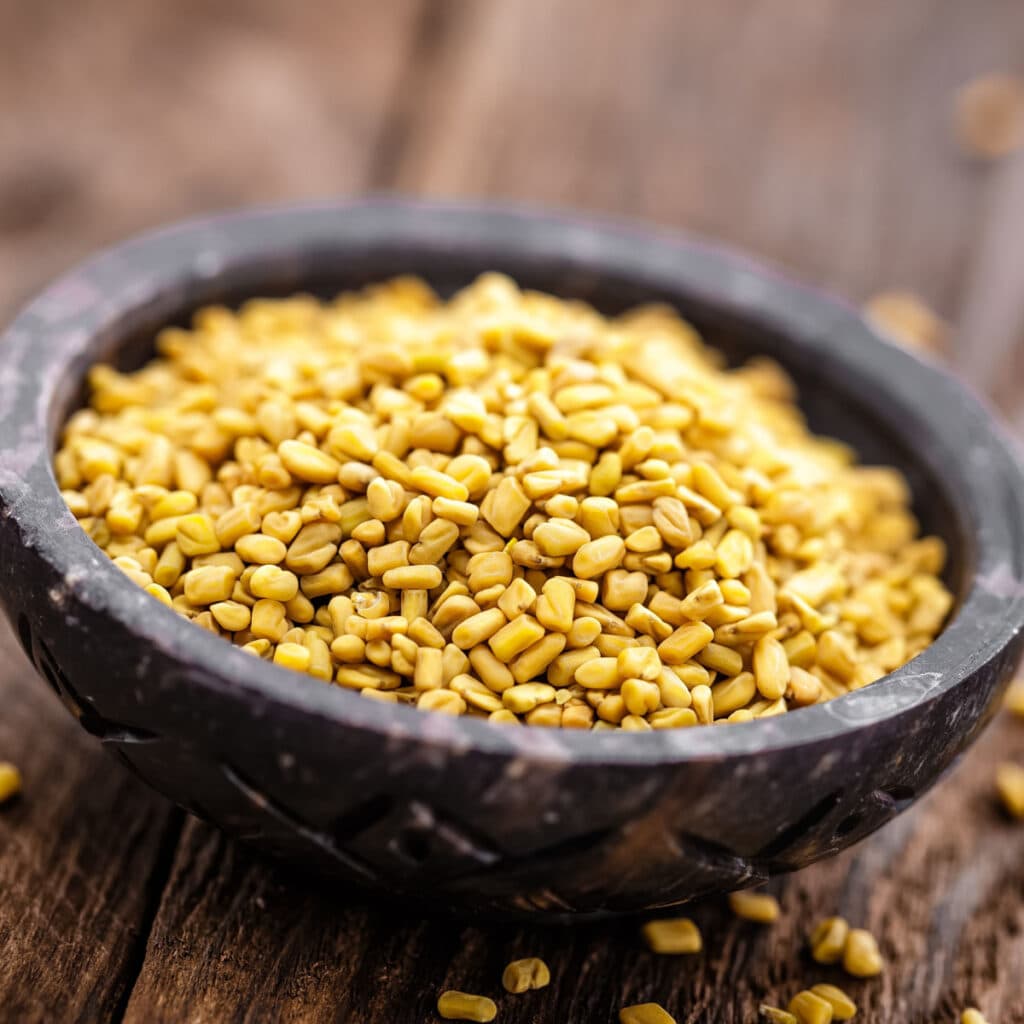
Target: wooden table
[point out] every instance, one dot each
(814, 133)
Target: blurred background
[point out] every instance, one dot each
(818, 134)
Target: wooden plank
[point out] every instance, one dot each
(83, 857)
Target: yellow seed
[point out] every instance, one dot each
(524, 975)
(477, 628)
(515, 637)
(828, 940)
(556, 605)
(972, 1015)
(1010, 786)
(446, 701)
(861, 957)
(209, 584)
(260, 549)
(771, 668)
(686, 641)
(273, 582)
(413, 577)
(268, 620)
(475, 693)
(1015, 698)
(645, 1013)
(231, 615)
(673, 935)
(732, 694)
(537, 657)
(843, 1007)
(293, 656)
(453, 1005)
(809, 1008)
(640, 696)
(598, 673)
(10, 781)
(754, 906)
(526, 696)
(306, 462)
(598, 556)
(775, 1015)
(560, 537)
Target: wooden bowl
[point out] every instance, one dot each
(455, 811)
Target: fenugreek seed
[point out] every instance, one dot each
(454, 1005)
(809, 1008)
(273, 582)
(598, 556)
(685, 642)
(231, 615)
(556, 605)
(524, 975)
(672, 936)
(972, 1015)
(645, 1013)
(268, 620)
(10, 781)
(776, 1015)
(724, 660)
(515, 637)
(754, 906)
(598, 674)
(861, 956)
(293, 656)
(306, 462)
(526, 696)
(478, 628)
(1015, 698)
(475, 693)
(209, 584)
(672, 718)
(537, 657)
(516, 598)
(732, 694)
(413, 577)
(1010, 787)
(771, 668)
(640, 696)
(621, 590)
(260, 549)
(843, 1007)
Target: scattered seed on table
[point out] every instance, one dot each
(645, 1013)
(989, 116)
(776, 1015)
(907, 319)
(1010, 786)
(10, 781)
(843, 1007)
(828, 940)
(861, 956)
(672, 936)
(1015, 698)
(759, 907)
(524, 975)
(453, 1005)
(809, 1008)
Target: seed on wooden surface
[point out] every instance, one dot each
(673, 936)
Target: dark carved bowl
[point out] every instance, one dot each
(474, 817)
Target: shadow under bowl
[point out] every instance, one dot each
(454, 811)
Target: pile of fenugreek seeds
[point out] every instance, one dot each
(503, 505)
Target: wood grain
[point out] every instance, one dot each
(813, 134)
(82, 861)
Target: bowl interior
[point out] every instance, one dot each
(835, 402)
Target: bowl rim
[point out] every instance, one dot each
(48, 341)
